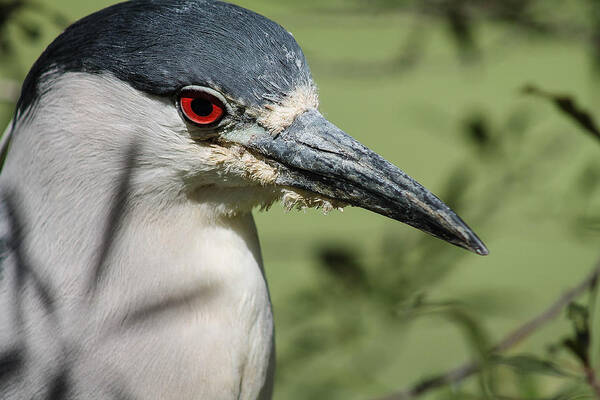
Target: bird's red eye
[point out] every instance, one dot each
(200, 107)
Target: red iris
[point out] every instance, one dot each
(200, 107)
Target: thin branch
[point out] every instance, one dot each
(470, 368)
(568, 106)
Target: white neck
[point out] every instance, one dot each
(182, 309)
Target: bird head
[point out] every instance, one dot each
(224, 108)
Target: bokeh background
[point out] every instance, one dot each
(365, 306)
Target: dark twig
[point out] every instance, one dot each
(470, 368)
(568, 106)
(550, 313)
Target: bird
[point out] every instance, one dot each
(144, 137)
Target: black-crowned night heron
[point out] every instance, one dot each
(221, 110)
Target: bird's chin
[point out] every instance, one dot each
(230, 201)
(298, 199)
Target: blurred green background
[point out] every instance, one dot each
(364, 305)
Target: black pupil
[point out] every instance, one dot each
(202, 107)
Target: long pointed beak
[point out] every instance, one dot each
(321, 158)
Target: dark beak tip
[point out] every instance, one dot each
(476, 246)
(460, 234)
(482, 250)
